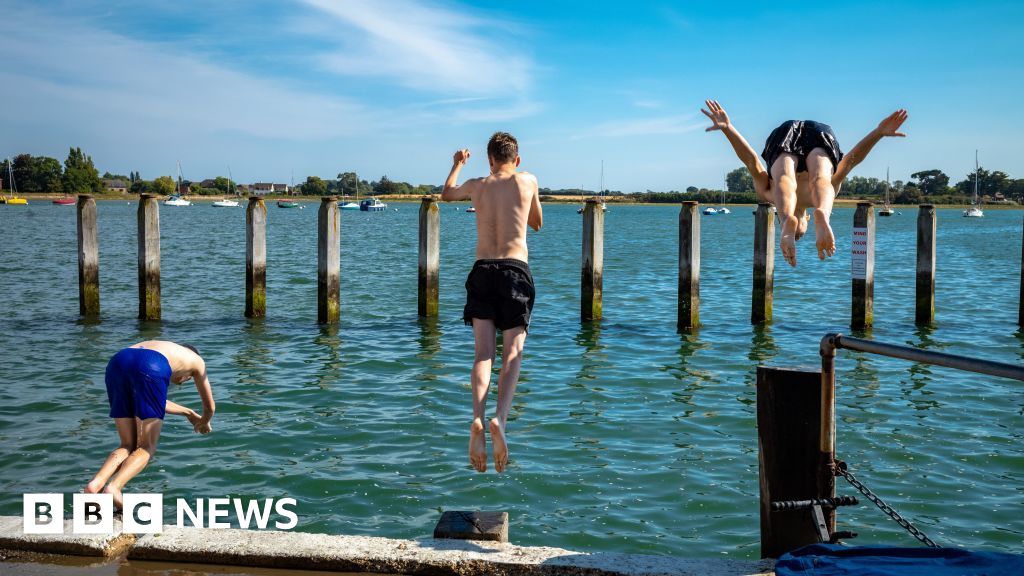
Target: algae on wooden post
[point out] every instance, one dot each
(925, 290)
(256, 258)
(862, 270)
(688, 313)
(88, 258)
(328, 282)
(591, 285)
(761, 296)
(430, 257)
(149, 257)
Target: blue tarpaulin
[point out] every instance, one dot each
(838, 560)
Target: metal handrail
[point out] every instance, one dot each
(833, 341)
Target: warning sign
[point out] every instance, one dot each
(859, 254)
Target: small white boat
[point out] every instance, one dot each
(225, 203)
(372, 205)
(724, 210)
(470, 210)
(710, 210)
(975, 210)
(349, 206)
(176, 201)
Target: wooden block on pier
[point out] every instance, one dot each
(473, 526)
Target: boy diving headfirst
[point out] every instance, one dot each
(499, 289)
(137, 379)
(806, 168)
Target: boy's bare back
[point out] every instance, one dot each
(504, 203)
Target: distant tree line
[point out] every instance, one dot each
(78, 174)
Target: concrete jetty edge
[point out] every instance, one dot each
(300, 550)
(12, 537)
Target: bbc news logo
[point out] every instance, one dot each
(144, 513)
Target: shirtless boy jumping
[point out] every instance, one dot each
(499, 289)
(806, 168)
(137, 380)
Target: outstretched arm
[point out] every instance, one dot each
(206, 396)
(452, 191)
(746, 154)
(888, 127)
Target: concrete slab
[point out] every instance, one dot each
(12, 537)
(276, 549)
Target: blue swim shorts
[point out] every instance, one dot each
(137, 381)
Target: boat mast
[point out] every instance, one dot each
(887, 187)
(977, 172)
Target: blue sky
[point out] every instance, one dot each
(393, 87)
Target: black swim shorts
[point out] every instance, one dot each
(500, 290)
(799, 137)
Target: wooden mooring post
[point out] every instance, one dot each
(689, 267)
(795, 446)
(88, 258)
(328, 278)
(430, 257)
(764, 264)
(591, 286)
(149, 257)
(925, 296)
(862, 267)
(256, 258)
(1020, 312)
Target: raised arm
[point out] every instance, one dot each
(746, 154)
(888, 127)
(452, 191)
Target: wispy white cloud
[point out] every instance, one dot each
(648, 103)
(426, 46)
(75, 73)
(677, 124)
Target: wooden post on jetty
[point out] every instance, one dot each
(862, 264)
(925, 313)
(689, 267)
(764, 264)
(430, 256)
(328, 278)
(794, 449)
(256, 258)
(88, 258)
(1020, 312)
(149, 257)
(591, 286)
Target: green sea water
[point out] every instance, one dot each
(625, 436)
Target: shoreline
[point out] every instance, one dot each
(410, 198)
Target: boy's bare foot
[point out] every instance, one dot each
(498, 446)
(477, 446)
(118, 500)
(787, 244)
(93, 487)
(824, 239)
(801, 227)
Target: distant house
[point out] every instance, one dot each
(183, 187)
(208, 183)
(115, 186)
(264, 188)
